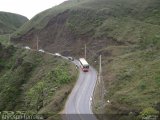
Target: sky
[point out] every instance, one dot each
(28, 8)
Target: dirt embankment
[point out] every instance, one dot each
(58, 36)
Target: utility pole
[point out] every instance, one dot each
(85, 52)
(101, 83)
(100, 67)
(37, 42)
(9, 38)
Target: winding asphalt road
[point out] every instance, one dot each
(78, 105)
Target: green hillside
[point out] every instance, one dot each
(34, 82)
(9, 22)
(127, 35)
(124, 20)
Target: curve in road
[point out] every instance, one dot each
(78, 105)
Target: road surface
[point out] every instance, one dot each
(78, 105)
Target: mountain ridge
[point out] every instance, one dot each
(10, 22)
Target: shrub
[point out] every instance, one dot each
(149, 112)
(142, 85)
(62, 75)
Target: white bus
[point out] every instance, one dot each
(84, 64)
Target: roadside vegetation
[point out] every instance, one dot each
(132, 83)
(34, 82)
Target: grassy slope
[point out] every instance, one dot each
(137, 79)
(4, 39)
(131, 71)
(132, 80)
(33, 82)
(9, 22)
(124, 20)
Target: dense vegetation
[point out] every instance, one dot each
(9, 22)
(125, 32)
(4, 39)
(33, 82)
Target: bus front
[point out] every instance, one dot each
(85, 68)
